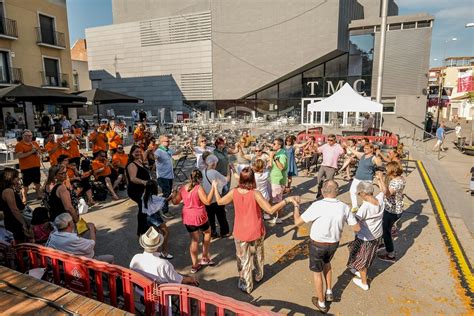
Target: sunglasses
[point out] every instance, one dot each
(331, 140)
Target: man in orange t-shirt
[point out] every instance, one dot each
(53, 149)
(119, 162)
(99, 140)
(28, 154)
(113, 137)
(70, 146)
(103, 173)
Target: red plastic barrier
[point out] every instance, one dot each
(204, 298)
(86, 277)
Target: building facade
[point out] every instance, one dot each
(34, 47)
(264, 57)
(455, 80)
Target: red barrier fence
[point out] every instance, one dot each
(118, 286)
(391, 141)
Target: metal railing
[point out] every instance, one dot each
(8, 27)
(59, 80)
(50, 37)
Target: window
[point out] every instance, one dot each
(290, 88)
(409, 25)
(396, 26)
(423, 24)
(315, 72)
(4, 68)
(47, 29)
(75, 81)
(388, 106)
(361, 49)
(51, 72)
(268, 93)
(337, 67)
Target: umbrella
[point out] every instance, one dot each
(22, 93)
(99, 96)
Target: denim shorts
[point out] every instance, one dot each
(155, 219)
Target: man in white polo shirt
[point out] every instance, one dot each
(328, 216)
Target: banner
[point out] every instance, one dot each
(465, 81)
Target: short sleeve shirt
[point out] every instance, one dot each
(164, 164)
(198, 151)
(152, 264)
(370, 219)
(278, 176)
(440, 133)
(96, 164)
(32, 161)
(330, 154)
(328, 217)
(394, 202)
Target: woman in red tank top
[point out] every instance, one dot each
(249, 231)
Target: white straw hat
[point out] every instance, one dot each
(151, 240)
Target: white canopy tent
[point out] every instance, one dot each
(346, 100)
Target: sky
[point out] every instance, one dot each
(451, 16)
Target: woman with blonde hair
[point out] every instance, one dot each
(392, 186)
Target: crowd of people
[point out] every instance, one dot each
(263, 172)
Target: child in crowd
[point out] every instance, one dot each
(151, 206)
(41, 225)
(262, 176)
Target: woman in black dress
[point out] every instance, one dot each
(137, 178)
(12, 206)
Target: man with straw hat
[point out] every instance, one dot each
(152, 265)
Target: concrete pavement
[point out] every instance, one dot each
(422, 281)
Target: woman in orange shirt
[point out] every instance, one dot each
(53, 149)
(114, 138)
(99, 140)
(103, 173)
(70, 146)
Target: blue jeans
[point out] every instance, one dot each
(166, 186)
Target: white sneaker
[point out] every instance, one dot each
(359, 283)
(355, 272)
(266, 216)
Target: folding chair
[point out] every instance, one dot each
(179, 169)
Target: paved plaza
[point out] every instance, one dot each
(422, 281)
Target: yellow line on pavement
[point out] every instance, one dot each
(450, 235)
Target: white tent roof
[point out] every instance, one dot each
(345, 100)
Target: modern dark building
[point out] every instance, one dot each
(236, 57)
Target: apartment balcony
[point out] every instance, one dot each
(60, 81)
(50, 38)
(8, 29)
(12, 76)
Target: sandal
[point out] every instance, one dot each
(196, 268)
(207, 262)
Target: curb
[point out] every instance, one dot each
(458, 257)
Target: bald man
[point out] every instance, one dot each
(328, 217)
